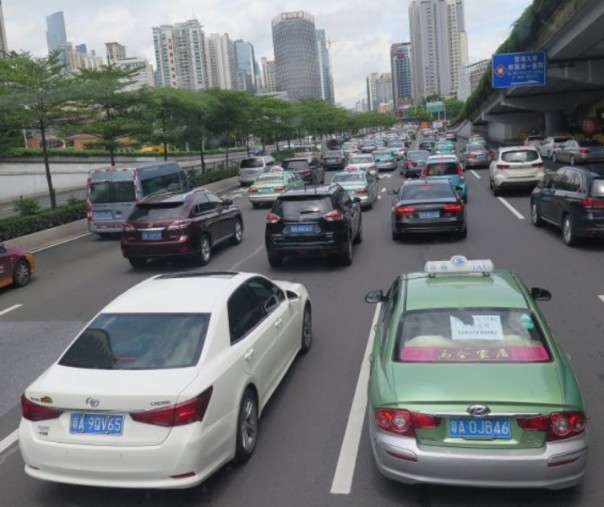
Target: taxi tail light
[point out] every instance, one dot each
(333, 216)
(538, 164)
(404, 210)
(272, 218)
(128, 228)
(404, 422)
(361, 190)
(558, 425)
(179, 225)
(453, 208)
(460, 171)
(372, 167)
(503, 166)
(279, 188)
(589, 203)
(35, 412)
(252, 190)
(180, 414)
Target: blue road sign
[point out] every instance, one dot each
(518, 69)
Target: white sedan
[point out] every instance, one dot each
(167, 383)
(363, 161)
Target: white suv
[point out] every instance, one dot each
(516, 166)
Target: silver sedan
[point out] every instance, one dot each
(575, 151)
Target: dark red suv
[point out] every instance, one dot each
(180, 224)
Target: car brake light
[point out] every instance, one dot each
(179, 224)
(128, 227)
(404, 422)
(460, 171)
(333, 216)
(361, 191)
(588, 202)
(35, 412)
(558, 425)
(187, 412)
(272, 218)
(584, 150)
(537, 164)
(453, 208)
(503, 166)
(404, 210)
(252, 190)
(279, 188)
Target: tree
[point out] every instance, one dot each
(35, 92)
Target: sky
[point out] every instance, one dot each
(360, 31)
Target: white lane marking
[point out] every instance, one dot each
(475, 174)
(61, 242)
(235, 266)
(342, 479)
(9, 440)
(10, 309)
(514, 211)
(383, 190)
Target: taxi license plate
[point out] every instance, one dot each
(489, 427)
(266, 190)
(97, 424)
(151, 235)
(302, 228)
(101, 215)
(428, 214)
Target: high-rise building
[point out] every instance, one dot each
(143, 75)
(439, 46)
(220, 57)
(56, 36)
(247, 67)
(3, 43)
(379, 91)
(470, 76)
(115, 51)
(269, 82)
(400, 63)
(180, 55)
(296, 59)
(327, 93)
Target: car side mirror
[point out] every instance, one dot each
(227, 201)
(540, 294)
(375, 296)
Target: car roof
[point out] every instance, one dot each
(190, 292)
(498, 289)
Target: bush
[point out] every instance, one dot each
(199, 179)
(26, 206)
(16, 226)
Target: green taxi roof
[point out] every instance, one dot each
(498, 289)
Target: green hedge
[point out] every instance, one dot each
(199, 179)
(15, 226)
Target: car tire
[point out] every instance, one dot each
(205, 250)
(347, 254)
(568, 231)
(237, 236)
(359, 237)
(21, 273)
(572, 160)
(463, 234)
(536, 219)
(306, 330)
(137, 262)
(275, 259)
(247, 427)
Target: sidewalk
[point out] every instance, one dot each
(42, 240)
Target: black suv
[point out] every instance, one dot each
(321, 220)
(308, 169)
(190, 224)
(572, 199)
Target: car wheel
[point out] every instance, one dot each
(359, 237)
(395, 235)
(463, 234)
(554, 158)
(237, 233)
(572, 160)
(347, 254)
(275, 259)
(247, 427)
(205, 251)
(306, 330)
(536, 219)
(568, 231)
(21, 273)
(137, 262)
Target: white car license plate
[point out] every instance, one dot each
(97, 424)
(488, 427)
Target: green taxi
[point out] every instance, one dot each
(268, 186)
(467, 384)
(442, 147)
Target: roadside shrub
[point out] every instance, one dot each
(26, 206)
(199, 179)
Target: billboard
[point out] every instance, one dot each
(527, 68)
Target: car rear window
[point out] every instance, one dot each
(427, 192)
(520, 156)
(290, 165)
(334, 154)
(441, 169)
(347, 177)
(251, 163)
(470, 335)
(561, 139)
(294, 206)
(476, 147)
(362, 160)
(112, 191)
(139, 341)
(597, 187)
(157, 211)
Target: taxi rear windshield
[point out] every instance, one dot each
(428, 192)
(470, 335)
(112, 191)
(441, 169)
(520, 156)
(347, 177)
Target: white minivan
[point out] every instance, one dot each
(252, 167)
(113, 191)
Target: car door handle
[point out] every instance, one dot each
(248, 355)
(278, 323)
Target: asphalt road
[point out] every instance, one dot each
(303, 428)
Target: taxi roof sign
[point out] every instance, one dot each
(459, 264)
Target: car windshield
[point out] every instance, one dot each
(362, 160)
(157, 211)
(441, 169)
(139, 341)
(251, 163)
(112, 191)
(426, 192)
(294, 206)
(519, 156)
(470, 335)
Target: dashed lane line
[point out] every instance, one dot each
(513, 210)
(6, 442)
(10, 309)
(476, 175)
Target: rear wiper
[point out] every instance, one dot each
(308, 211)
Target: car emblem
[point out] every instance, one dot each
(479, 410)
(45, 399)
(92, 402)
(300, 218)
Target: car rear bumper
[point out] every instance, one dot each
(558, 465)
(426, 226)
(501, 181)
(306, 247)
(105, 228)
(263, 198)
(149, 249)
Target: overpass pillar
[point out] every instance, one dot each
(553, 122)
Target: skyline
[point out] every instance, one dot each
(359, 35)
